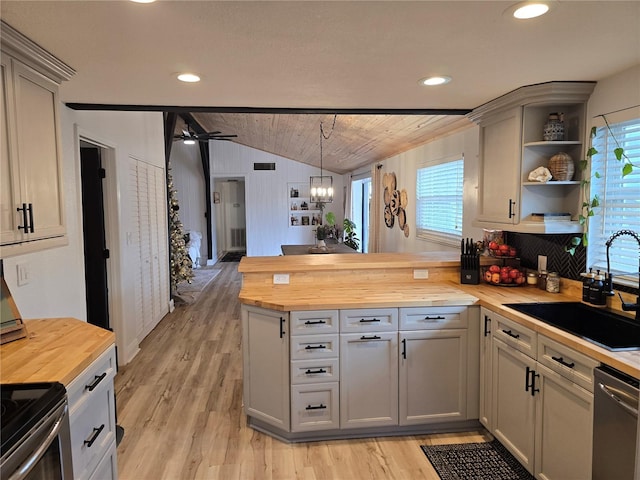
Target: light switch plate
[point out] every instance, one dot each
(24, 274)
(280, 278)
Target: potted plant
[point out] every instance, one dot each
(350, 238)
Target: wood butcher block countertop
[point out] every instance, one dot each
(320, 282)
(55, 350)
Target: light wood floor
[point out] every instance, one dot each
(180, 403)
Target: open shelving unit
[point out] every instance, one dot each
(302, 213)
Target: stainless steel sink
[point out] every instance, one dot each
(602, 327)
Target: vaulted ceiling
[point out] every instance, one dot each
(320, 56)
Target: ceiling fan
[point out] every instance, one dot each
(190, 137)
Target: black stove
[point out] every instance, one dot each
(23, 406)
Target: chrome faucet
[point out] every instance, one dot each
(627, 307)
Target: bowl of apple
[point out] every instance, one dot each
(504, 276)
(502, 250)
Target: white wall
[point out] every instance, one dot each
(405, 166)
(616, 93)
(189, 182)
(267, 195)
(57, 288)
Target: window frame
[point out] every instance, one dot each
(430, 234)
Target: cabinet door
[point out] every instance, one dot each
(485, 368)
(36, 107)
(265, 341)
(500, 140)
(564, 428)
(9, 174)
(433, 380)
(368, 379)
(513, 404)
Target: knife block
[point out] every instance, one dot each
(470, 269)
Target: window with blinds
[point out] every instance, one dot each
(619, 200)
(439, 201)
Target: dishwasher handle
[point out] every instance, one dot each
(615, 394)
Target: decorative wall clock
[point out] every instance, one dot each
(395, 203)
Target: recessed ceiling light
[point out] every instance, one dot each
(188, 77)
(528, 10)
(143, 1)
(437, 80)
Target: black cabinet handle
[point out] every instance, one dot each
(434, 318)
(511, 212)
(312, 372)
(561, 361)
(511, 334)
(25, 220)
(487, 321)
(95, 382)
(316, 407)
(31, 229)
(314, 347)
(534, 375)
(404, 348)
(369, 320)
(526, 379)
(315, 322)
(372, 337)
(282, 332)
(94, 436)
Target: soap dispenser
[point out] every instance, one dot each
(586, 284)
(596, 291)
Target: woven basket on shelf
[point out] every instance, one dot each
(561, 167)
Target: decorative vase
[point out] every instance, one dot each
(554, 128)
(320, 243)
(561, 167)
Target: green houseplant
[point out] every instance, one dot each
(350, 239)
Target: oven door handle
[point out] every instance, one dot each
(23, 470)
(609, 391)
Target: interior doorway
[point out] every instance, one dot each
(231, 222)
(96, 252)
(360, 205)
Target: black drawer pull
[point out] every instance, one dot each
(314, 347)
(561, 361)
(316, 407)
(315, 322)
(487, 322)
(511, 334)
(95, 382)
(312, 372)
(372, 337)
(369, 320)
(434, 318)
(94, 436)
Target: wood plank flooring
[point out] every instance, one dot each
(180, 403)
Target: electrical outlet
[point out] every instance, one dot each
(281, 279)
(542, 262)
(420, 274)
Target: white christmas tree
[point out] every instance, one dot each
(180, 262)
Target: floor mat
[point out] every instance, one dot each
(233, 256)
(189, 292)
(475, 461)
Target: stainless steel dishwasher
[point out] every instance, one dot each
(615, 424)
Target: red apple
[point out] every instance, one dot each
(514, 273)
(494, 269)
(495, 278)
(493, 245)
(487, 276)
(513, 252)
(504, 248)
(520, 280)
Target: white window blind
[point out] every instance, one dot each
(439, 202)
(619, 200)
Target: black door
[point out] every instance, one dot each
(95, 249)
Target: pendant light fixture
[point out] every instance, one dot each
(321, 187)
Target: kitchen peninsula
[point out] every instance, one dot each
(344, 346)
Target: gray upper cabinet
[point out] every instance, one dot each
(32, 213)
(512, 145)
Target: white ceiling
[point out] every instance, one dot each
(335, 54)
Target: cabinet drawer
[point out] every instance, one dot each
(567, 362)
(369, 320)
(93, 430)
(314, 371)
(315, 407)
(305, 347)
(107, 469)
(315, 321)
(433, 318)
(101, 371)
(514, 334)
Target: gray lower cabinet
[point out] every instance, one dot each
(542, 401)
(265, 344)
(341, 370)
(486, 366)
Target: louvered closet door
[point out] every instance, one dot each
(135, 243)
(163, 241)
